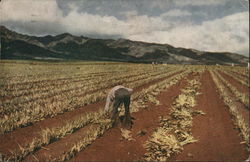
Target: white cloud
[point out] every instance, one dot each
(230, 33)
(27, 10)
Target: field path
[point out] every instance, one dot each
(112, 147)
(218, 138)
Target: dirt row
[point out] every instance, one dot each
(113, 136)
(53, 80)
(242, 88)
(63, 91)
(42, 86)
(241, 74)
(242, 109)
(3, 99)
(217, 138)
(58, 79)
(22, 136)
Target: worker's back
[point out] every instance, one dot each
(117, 91)
(119, 87)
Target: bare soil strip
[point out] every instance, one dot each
(5, 98)
(22, 136)
(218, 138)
(242, 88)
(238, 73)
(57, 80)
(112, 147)
(242, 109)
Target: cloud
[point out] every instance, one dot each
(199, 2)
(29, 10)
(31, 13)
(176, 13)
(229, 33)
(31, 17)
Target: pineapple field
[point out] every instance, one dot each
(55, 112)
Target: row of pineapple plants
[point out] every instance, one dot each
(231, 102)
(174, 130)
(95, 120)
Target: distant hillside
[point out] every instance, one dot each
(66, 46)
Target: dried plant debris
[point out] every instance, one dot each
(175, 130)
(233, 108)
(98, 117)
(141, 99)
(34, 99)
(161, 144)
(126, 134)
(242, 97)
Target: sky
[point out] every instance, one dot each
(207, 25)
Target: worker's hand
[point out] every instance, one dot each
(107, 114)
(127, 125)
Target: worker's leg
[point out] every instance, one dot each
(115, 113)
(127, 118)
(124, 96)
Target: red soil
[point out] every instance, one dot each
(22, 136)
(242, 75)
(242, 88)
(111, 147)
(56, 82)
(63, 145)
(241, 108)
(218, 138)
(57, 149)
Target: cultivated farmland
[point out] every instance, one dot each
(55, 112)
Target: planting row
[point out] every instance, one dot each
(95, 122)
(241, 79)
(60, 77)
(19, 73)
(21, 114)
(87, 88)
(48, 89)
(244, 98)
(239, 71)
(175, 129)
(100, 124)
(240, 115)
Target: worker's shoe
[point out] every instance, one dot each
(127, 123)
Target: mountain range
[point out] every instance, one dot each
(69, 47)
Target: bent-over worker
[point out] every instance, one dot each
(118, 95)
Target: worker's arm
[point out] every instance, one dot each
(130, 90)
(108, 102)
